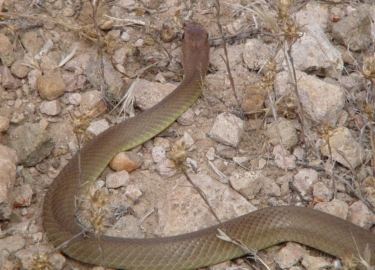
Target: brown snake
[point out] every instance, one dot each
(257, 230)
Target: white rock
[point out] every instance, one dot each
(284, 131)
(313, 13)
(311, 262)
(23, 195)
(125, 36)
(321, 101)
(210, 155)
(360, 215)
(8, 161)
(322, 192)
(148, 94)
(283, 158)
(234, 56)
(166, 168)
(187, 118)
(117, 179)
(252, 183)
(52, 107)
(344, 148)
(256, 54)
(185, 210)
(289, 255)
(313, 52)
(335, 207)
(133, 192)
(158, 154)
(187, 141)
(304, 180)
(74, 98)
(227, 129)
(98, 127)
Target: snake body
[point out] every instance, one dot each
(257, 230)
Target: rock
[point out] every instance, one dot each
(344, 148)
(360, 215)
(354, 31)
(126, 226)
(313, 13)
(283, 158)
(51, 108)
(321, 101)
(46, 48)
(97, 127)
(335, 207)
(27, 258)
(32, 78)
(8, 161)
(6, 50)
(256, 53)
(32, 143)
(148, 94)
(187, 118)
(210, 155)
(322, 192)
(234, 55)
(23, 195)
(166, 168)
(186, 142)
(289, 255)
(311, 262)
(225, 151)
(125, 36)
(314, 53)
(12, 243)
(48, 65)
(158, 154)
(50, 86)
(127, 161)
(19, 69)
(133, 192)
(7, 79)
(116, 86)
(185, 210)
(4, 124)
(117, 179)
(227, 129)
(162, 142)
(304, 180)
(31, 42)
(251, 183)
(74, 98)
(282, 130)
(92, 101)
(253, 98)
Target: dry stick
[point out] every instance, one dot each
(292, 70)
(104, 87)
(201, 193)
(226, 60)
(354, 192)
(223, 236)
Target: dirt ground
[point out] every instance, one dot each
(141, 39)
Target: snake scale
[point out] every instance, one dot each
(257, 230)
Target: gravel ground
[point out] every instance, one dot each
(290, 124)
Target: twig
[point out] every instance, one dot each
(223, 236)
(201, 193)
(226, 60)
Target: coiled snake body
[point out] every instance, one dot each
(257, 230)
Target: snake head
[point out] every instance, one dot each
(195, 49)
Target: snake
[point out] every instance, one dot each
(257, 230)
